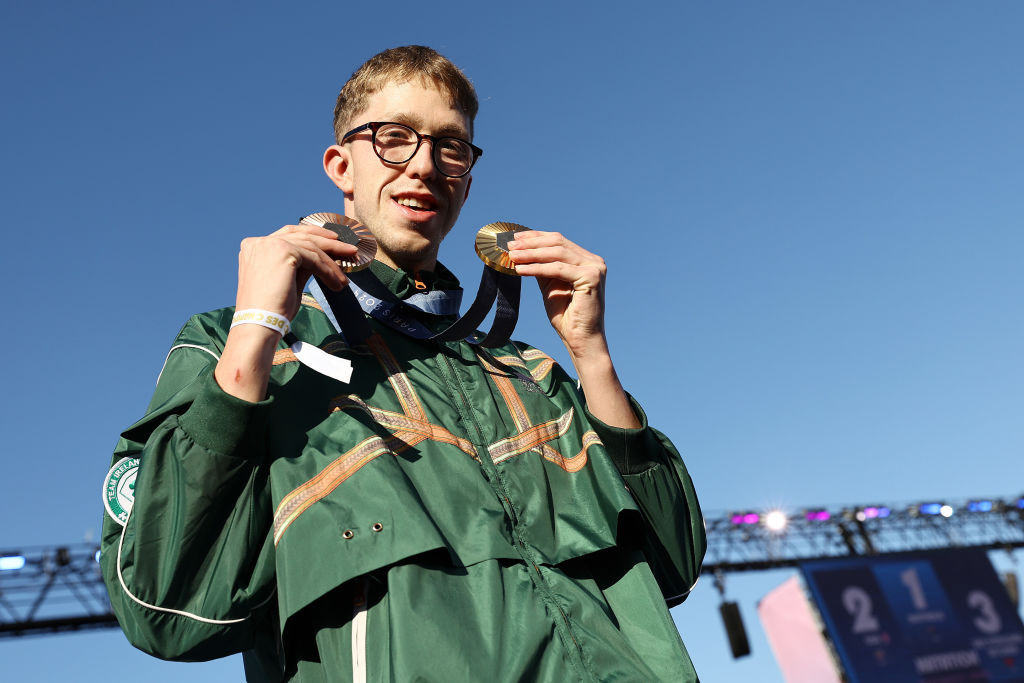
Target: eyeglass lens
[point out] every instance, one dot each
(396, 144)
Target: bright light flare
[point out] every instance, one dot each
(11, 563)
(776, 520)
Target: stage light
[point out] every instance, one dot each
(11, 563)
(745, 518)
(946, 511)
(980, 506)
(930, 508)
(776, 520)
(97, 556)
(873, 512)
(817, 515)
(1020, 503)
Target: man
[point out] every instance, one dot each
(454, 513)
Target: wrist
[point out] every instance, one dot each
(244, 366)
(595, 371)
(262, 318)
(602, 389)
(592, 352)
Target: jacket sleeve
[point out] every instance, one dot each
(674, 541)
(190, 571)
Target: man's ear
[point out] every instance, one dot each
(338, 167)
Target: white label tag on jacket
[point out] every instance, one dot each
(317, 359)
(119, 489)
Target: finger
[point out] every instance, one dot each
(335, 281)
(305, 228)
(303, 252)
(328, 244)
(560, 263)
(534, 239)
(324, 265)
(324, 238)
(334, 246)
(327, 265)
(583, 278)
(545, 255)
(539, 238)
(529, 239)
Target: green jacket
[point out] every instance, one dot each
(440, 518)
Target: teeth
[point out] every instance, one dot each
(411, 203)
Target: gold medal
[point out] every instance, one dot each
(349, 231)
(492, 245)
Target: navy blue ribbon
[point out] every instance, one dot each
(367, 294)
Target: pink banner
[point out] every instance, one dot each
(795, 635)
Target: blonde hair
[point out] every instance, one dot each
(400, 65)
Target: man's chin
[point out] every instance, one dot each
(409, 257)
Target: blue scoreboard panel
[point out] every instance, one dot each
(930, 617)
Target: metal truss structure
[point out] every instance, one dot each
(54, 590)
(752, 541)
(47, 590)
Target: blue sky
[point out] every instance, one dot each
(812, 215)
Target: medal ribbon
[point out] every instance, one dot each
(367, 295)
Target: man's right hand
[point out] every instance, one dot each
(272, 272)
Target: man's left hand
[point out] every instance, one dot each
(571, 282)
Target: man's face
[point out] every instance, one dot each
(409, 207)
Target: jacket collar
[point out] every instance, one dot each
(405, 285)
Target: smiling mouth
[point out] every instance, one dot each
(414, 204)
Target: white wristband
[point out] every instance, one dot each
(257, 316)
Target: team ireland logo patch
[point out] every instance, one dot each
(119, 489)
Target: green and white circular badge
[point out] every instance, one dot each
(119, 489)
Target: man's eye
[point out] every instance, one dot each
(395, 135)
(453, 148)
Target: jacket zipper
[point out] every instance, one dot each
(465, 409)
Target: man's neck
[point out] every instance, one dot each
(428, 265)
(404, 284)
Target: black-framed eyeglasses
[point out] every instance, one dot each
(396, 143)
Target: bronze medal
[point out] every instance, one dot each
(349, 231)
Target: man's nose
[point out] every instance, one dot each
(422, 163)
